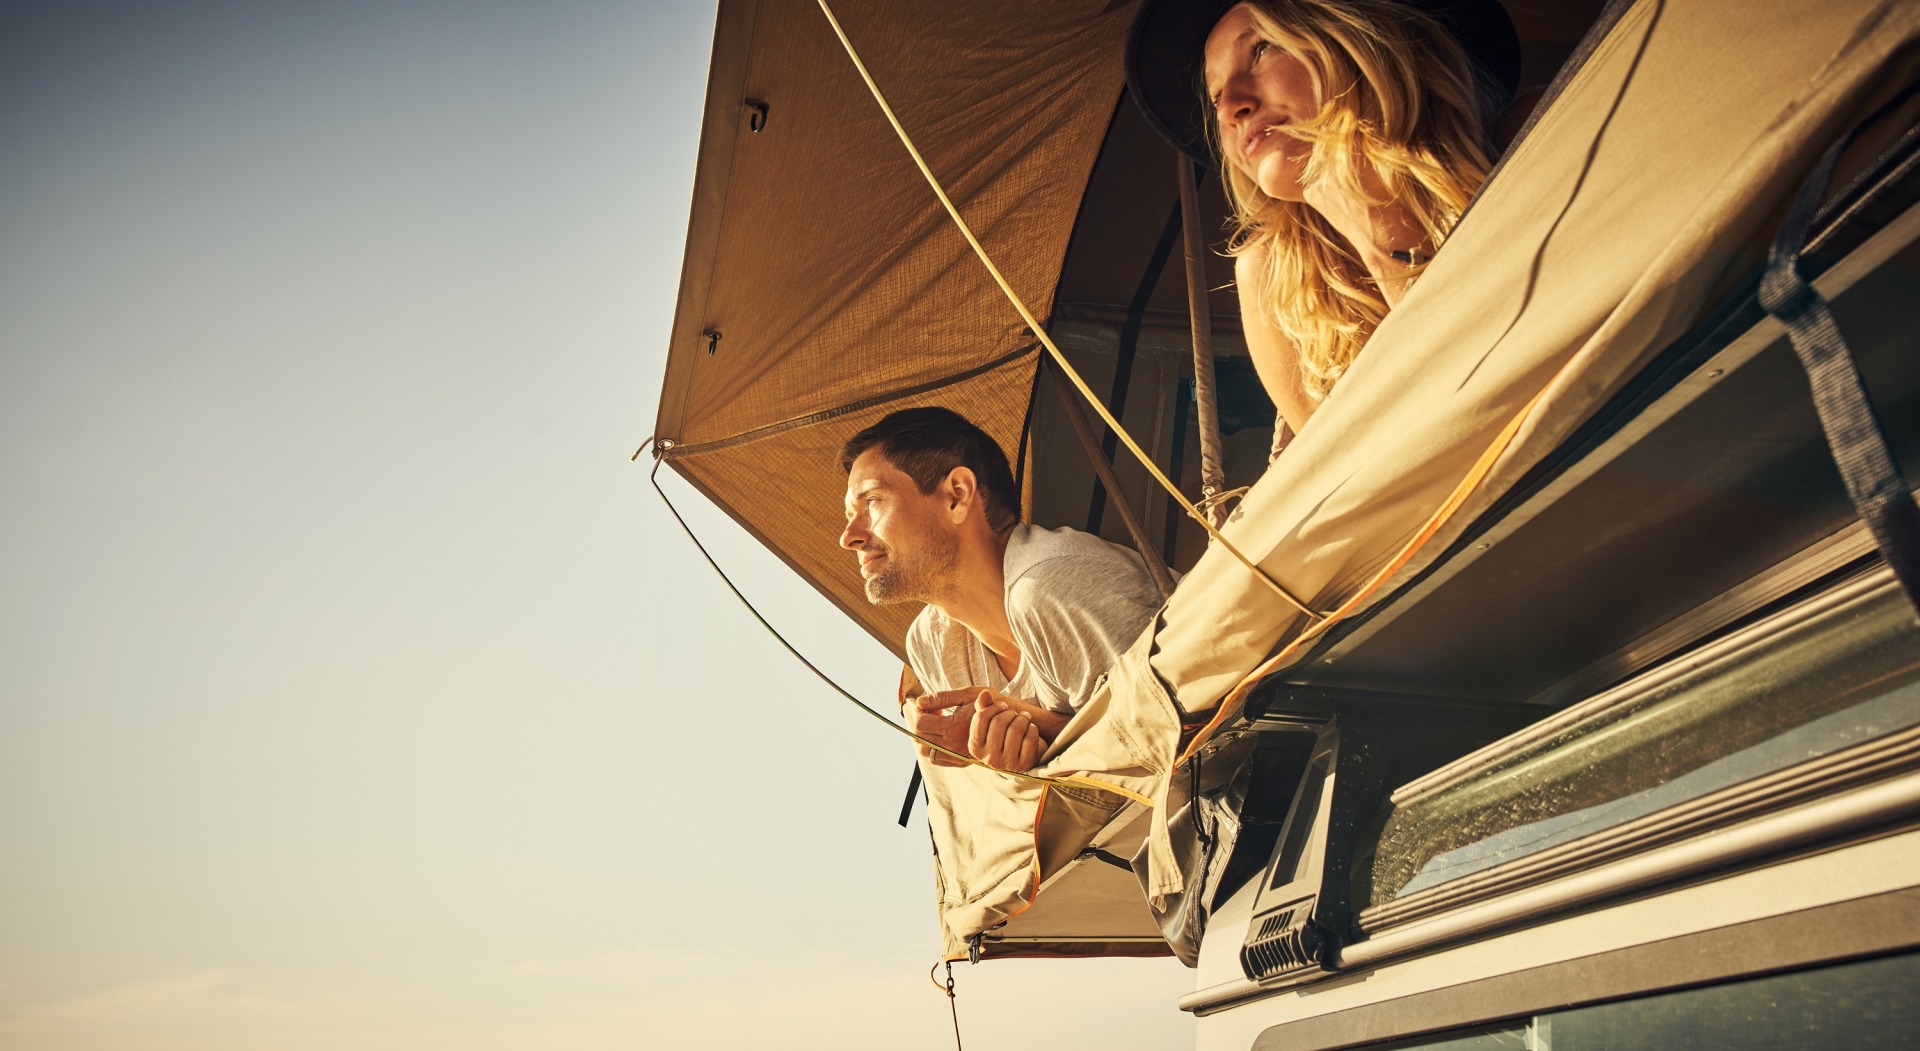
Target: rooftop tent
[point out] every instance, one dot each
(1640, 196)
(823, 287)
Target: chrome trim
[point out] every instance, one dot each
(1802, 937)
(1821, 821)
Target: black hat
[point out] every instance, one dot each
(1166, 41)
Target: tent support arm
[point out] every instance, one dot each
(1213, 479)
(1103, 470)
(1129, 345)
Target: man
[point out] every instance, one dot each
(1020, 622)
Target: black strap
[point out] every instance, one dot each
(1108, 856)
(1859, 444)
(906, 805)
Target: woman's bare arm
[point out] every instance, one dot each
(1275, 358)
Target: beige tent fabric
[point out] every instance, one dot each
(829, 269)
(984, 823)
(1599, 242)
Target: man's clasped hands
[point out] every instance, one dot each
(1001, 731)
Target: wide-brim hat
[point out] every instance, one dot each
(1166, 41)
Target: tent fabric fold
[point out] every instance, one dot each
(999, 840)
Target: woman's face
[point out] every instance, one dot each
(1255, 86)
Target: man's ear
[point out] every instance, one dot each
(962, 492)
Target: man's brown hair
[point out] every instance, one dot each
(927, 444)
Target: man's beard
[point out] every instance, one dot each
(918, 579)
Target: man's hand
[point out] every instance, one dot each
(943, 718)
(1011, 734)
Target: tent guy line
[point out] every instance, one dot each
(1077, 780)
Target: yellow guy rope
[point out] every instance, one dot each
(1041, 333)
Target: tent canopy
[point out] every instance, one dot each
(838, 288)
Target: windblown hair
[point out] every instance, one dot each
(927, 444)
(1402, 103)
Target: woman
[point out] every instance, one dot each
(1352, 134)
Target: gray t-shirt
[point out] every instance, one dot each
(1075, 603)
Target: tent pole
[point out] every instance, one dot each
(1212, 479)
(1129, 345)
(1103, 470)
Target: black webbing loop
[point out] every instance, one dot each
(906, 805)
(1107, 856)
(1859, 444)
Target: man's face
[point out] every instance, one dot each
(906, 540)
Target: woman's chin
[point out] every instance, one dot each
(1282, 189)
(1277, 177)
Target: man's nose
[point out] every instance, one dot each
(853, 536)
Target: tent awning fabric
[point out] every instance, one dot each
(839, 288)
(1601, 240)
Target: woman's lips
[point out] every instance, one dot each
(1257, 136)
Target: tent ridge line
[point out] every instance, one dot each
(674, 452)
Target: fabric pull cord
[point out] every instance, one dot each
(1873, 479)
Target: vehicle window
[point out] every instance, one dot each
(1828, 683)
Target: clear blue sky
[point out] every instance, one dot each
(355, 691)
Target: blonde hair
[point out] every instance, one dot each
(1400, 103)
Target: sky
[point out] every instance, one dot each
(355, 689)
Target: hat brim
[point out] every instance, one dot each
(1166, 41)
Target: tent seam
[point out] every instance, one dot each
(674, 452)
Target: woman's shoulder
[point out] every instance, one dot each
(1250, 265)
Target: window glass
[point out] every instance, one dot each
(1825, 684)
